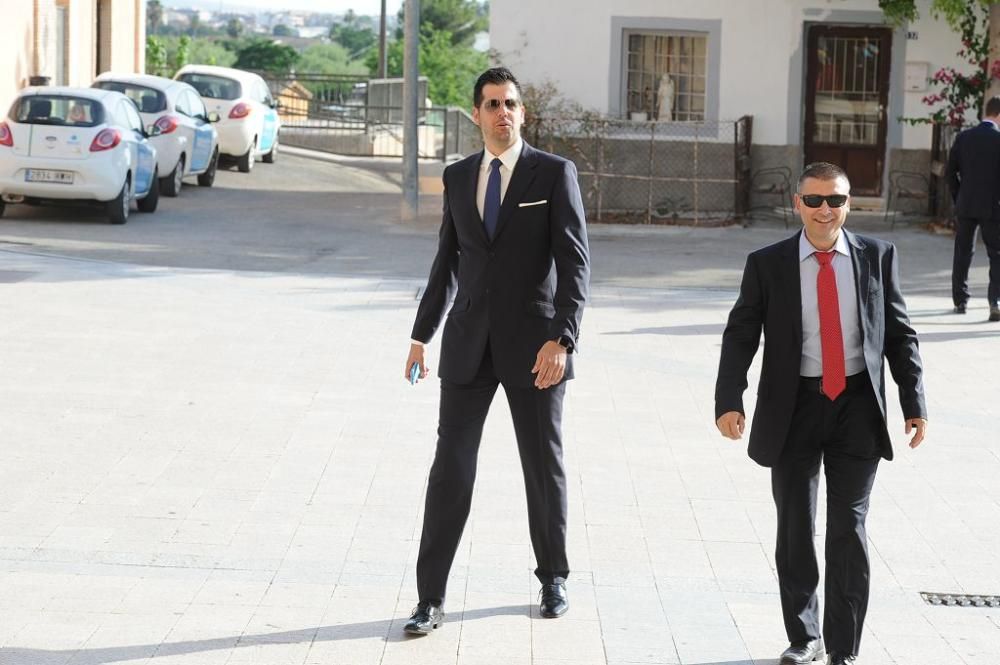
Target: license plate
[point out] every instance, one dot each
(45, 175)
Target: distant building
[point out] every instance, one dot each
(69, 42)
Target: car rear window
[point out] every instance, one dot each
(58, 110)
(146, 99)
(213, 87)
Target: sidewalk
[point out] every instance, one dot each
(204, 467)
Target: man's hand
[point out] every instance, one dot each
(550, 365)
(731, 425)
(416, 356)
(919, 424)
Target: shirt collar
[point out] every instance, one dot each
(992, 122)
(509, 156)
(806, 248)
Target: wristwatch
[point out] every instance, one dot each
(566, 342)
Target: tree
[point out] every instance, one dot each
(461, 19)
(282, 30)
(451, 71)
(154, 16)
(329, 59)
(234, 27)
(156, 56)
(183, 52)
(954, 11)
(265, 55)
(354, 35)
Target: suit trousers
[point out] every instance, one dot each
(537, 416)
(844, 436)
(965, 247)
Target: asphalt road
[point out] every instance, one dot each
(312, 216)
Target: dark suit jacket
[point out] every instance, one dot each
(770, 300)
(974, 172)
(526, 287)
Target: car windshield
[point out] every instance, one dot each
(146, 99)
(213, 87)
(58, 110)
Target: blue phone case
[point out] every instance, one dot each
(414, 373)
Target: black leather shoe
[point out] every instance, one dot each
(425, 618)
(803, 653)
(842, 658)
(555, 602)
(960, 309)
(994, 313)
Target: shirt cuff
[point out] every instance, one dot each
(417, 342)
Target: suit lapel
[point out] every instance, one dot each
(793, 284)
(524, 173)
(472, 188)
(862, 272)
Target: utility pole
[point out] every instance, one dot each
(383, 66)
(411, 53)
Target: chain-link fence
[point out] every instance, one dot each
(654, 172)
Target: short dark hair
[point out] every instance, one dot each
(822, 171)
(496, 76)
(993, 106)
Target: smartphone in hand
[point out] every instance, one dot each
(414, 373)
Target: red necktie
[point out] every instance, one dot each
(830, 336)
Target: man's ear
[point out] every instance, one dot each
(475, 115)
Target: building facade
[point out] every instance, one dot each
(68, 42)
(823, 79)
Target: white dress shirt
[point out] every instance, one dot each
(509, 159)
(847, 298)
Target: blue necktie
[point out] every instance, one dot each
(491, 206)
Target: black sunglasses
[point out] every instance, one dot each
(816, 200)
(494, 104)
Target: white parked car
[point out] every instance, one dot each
(180, 127)
(249, 124)
(78, 144)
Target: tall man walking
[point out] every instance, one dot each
(829, 305)
(974, 178)
(513, 253)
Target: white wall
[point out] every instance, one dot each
(569, 42)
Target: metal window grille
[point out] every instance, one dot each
(847, 92)
(666, 75)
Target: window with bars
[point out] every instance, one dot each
(666, 76)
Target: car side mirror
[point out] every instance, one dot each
(213, 117)
(152, 130)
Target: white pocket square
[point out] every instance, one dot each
(533, 203)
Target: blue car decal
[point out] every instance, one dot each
(270, 130)
(144, 168)
(201, 151)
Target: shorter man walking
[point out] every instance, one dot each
(974, 179)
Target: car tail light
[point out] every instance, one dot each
(106, 140)
(167, 124)
(6, 137)
(241, 110)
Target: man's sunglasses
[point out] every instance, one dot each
(816, 200)
(494, 104)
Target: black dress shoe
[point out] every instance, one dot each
(803, 653)
(994, 313)
(555, 602)
(425, 618)
(842, 658)
(960, 309)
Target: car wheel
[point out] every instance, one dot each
(172, 184)
(270, 156)
(118, 207)
(245, 161)
(207, 179)
(150, 201)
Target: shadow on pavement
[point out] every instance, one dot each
(350, 631)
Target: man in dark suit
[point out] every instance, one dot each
(513, 254)
(829, 305)
(974, 178)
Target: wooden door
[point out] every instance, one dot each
(847, 93)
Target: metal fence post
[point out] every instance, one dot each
(649, 190)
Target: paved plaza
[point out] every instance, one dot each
(212, 458)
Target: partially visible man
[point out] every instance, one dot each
(829, 306)
(513, 254)
(974, 178)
